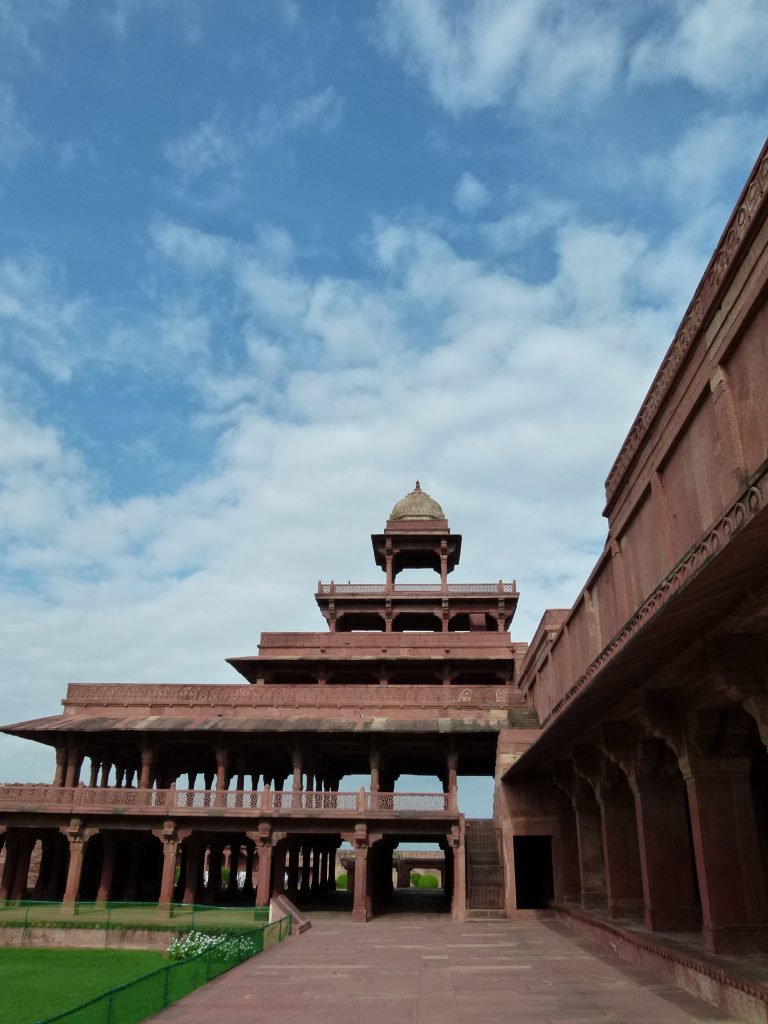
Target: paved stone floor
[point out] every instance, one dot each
(427, 970)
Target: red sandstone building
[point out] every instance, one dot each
(628, 740)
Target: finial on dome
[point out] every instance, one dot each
(417, 505)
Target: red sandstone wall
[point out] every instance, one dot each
(700, 439)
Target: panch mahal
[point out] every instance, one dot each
(627, 740)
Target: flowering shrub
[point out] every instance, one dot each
(218, 947)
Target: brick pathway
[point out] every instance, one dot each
(427, 970)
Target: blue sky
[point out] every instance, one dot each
(263, 263)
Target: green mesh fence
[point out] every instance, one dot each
(119, 916)
(139, 999)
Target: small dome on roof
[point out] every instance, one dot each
(417, 505)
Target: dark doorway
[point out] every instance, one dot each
(534, 882)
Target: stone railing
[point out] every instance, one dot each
(458, 589)
(149, 695)
(84, 799)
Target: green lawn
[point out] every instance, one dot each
(38, 983)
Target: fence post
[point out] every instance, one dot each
(109, 1006)
(165, 986)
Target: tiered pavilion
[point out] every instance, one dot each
(155, 785)
(628, 741)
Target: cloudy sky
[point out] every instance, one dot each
(262, 264)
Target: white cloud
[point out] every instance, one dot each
(20, 22)
(37, 319)
(693, 172)
(473, 55)
(470, 194)
(16, 139)
(719, 46)
(210, 147)
(219, 149)
(487, 387)
(193, 250)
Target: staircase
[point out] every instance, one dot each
(485, 875)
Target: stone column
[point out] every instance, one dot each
(61, 766)
(147, 762)
(293, 866)
(109, 848)
(375, 763)
(222, 759)
(305, 867)
(12, 842)
(264, 879)
(590, 847)
(727, 851)
(669, 888)
(170, 848)
(315, 868)
(194, 857)
(279, 854)
(623, 879)
(458, 874)
(70, 776)
(297, 769)
(403, 875)
(565, 855)
(452, 781)
(75, 869)
(360, 905)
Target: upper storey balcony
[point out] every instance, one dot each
(417, 536)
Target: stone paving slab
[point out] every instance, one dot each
(428, 970)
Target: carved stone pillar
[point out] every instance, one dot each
(222, 763)
(293, 866)
(297, 768)
(452, 780)
(715, 763)
(669, 887)
(194, 865)
(590, 845)
(458, 875)
(73, 764)
(623, 878)
(170, 843)
(264, 842)
(61, 765)
(147, 764)
(621, 856)
(77, 837)
(109, 847)
(361, 841)
(12, 844)
(375, 764)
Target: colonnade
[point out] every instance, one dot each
(225, 769)
(665, 817)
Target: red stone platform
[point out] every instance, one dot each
(428, 970)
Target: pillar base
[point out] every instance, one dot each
(625, 907)
(673, 919)
(593, 900)
(361, 915)
(736, 939)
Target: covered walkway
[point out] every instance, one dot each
(430, 970)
